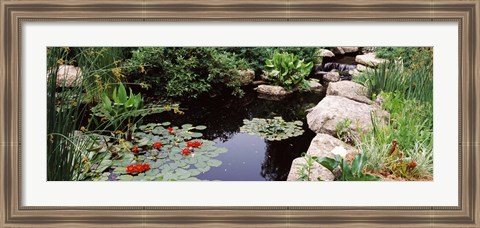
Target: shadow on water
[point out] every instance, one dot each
(249, 158)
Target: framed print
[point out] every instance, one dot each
(221, 113)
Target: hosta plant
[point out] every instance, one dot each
(272, 129)
(287, 70)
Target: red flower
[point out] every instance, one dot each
(170, 129)
(157, 145)
(146, 167)
(138, 168)
(412, 164)
(130, 169)
(185, 151)
(194, 144)
(135, 149)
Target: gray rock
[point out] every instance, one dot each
(69, 76)
(247, 76)
(272, 90)
(321, 146)
(259, 82)
(343, 50)
(361, 67)
(325, 53)
(369, 59)
(350, 90)
(332, 76)
(324, 117)
(316, 86)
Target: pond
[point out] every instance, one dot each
(249, 157)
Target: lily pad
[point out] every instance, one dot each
(275, 129)
(214, 162)
(201, 127)
(196, 135)
(125, 178)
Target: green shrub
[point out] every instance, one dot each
(287, 70)
(188, 72)
(256, 56)
(412, 57)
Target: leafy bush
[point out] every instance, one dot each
(188, 72)
(287, 70)
(256, 56)
(412, 57)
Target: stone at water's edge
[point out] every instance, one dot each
(316, 86)
(321, 146)
(369, 59)
(324, 117)
(325, 53)
(361, 68)
(332, 76)
(273, 90)
(350, 90)
(247, 76)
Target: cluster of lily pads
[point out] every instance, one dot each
(275, 129)
(157, 152)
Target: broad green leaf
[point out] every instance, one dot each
(122, 93)
(327, 162)
(358, 163)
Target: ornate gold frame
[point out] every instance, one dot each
(14, 12)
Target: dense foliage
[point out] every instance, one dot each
(188, 72)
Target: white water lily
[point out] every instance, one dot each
(339, 150)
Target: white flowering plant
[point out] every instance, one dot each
(353, 172)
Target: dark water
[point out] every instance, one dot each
(249, 158)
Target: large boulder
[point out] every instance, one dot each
(321, 146)
(369, 59)
(350, 90)
(69, 76)
(247, 76)
(325, 53)
(273, 90)
(324, 117)
(332, 76)
(344, 50)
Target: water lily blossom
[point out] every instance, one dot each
(339, 150)
(170, 130)
(194, 144)
(157, 145)
(135, 149)
(185, 152)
